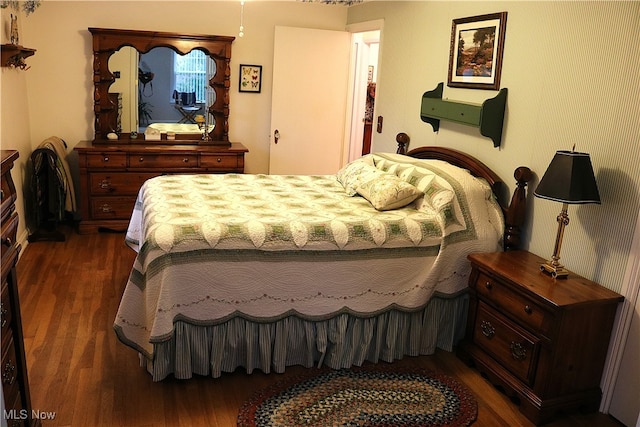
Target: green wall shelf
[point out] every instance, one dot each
(487, 116)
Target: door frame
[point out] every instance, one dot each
(631, 292)
(353, 131)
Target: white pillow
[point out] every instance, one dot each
(353, 172)
(386, 191)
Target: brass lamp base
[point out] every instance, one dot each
(553, 267)
(556, 271)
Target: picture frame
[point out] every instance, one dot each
(250, 78)
(476, 50)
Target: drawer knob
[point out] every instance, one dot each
(528, 309)
(518, 352)
(105, 184)
(487, 329)
(218, 159)
(141, 159)
(3, 314)
(7, 373)
(488, 285)
(105, 159)
(105, 208)
(185, 160)
(7, 241)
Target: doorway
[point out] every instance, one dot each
(364, 75)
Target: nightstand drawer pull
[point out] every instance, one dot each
(518, 352)
(105, 159)
(528, 309)
(488, 285)
(487, 329)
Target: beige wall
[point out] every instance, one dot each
(55, 96)
(571, 69)
(573, 75)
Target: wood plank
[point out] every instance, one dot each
(70, 292)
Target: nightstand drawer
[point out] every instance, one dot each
(512, 346)
(504, 298)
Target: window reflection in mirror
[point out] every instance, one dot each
(161, 87)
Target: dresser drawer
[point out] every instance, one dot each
(10, 383)
(9, 229)
(112, 207)
(504, 298)
(9, 368)
(5, 312)
(121, 183)
(512, 346)
(107, 160)
(219, 161)
(163, 160)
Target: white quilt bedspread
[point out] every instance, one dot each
(263, 247)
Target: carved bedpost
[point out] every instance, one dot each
(403, 142)
(515, 214)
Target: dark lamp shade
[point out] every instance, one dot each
(569, 179)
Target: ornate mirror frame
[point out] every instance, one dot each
(107, 41)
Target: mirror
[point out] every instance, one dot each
(162, 90)
(126, 75)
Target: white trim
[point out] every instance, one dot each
(630, 291)
(353, 134)
(361, 27)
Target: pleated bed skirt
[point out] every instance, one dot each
(340, 342)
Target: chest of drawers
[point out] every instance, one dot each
(111, 175)
(543, 340)
(15, 384)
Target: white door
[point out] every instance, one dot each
(308, 112)
(625, 399)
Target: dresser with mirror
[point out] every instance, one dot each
(129, 147)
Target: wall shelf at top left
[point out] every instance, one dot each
(13, 55)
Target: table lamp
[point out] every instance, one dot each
(569, 179)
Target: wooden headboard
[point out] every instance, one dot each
(514, 212)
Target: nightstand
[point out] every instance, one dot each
(542, 340)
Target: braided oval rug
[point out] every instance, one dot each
(377, 395)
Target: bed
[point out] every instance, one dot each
(158, 131)
(181, 128)
(268, 271)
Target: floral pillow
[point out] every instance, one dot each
(386, 191)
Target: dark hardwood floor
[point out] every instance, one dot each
(69, 294)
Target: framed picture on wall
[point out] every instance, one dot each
(250, 78)
(475, 55)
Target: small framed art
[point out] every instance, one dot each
(475, 55)
(250, 78)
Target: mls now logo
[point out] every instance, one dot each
(23, 414)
